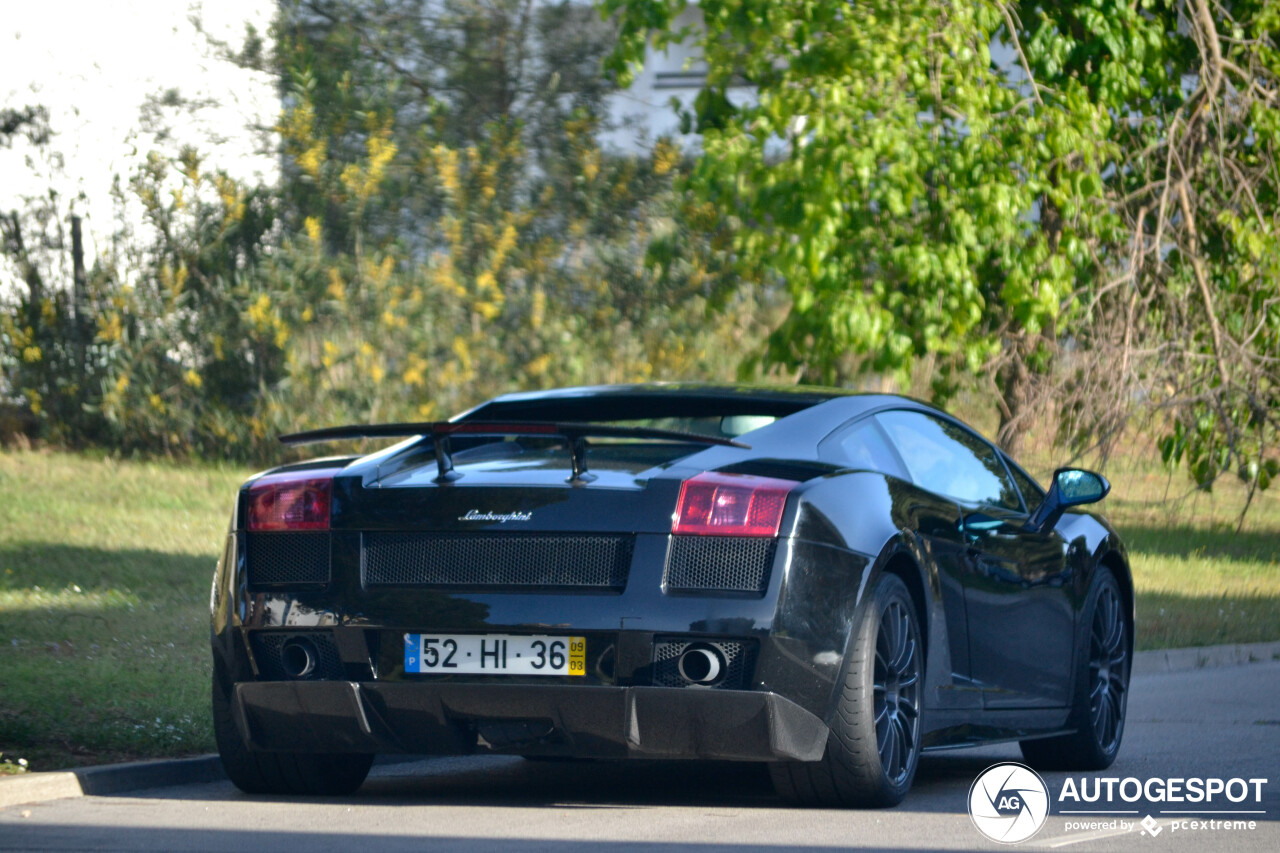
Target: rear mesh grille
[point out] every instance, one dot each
(719, 564)
(738, 658)
(282, 559)
(468, 560)
(267, 646)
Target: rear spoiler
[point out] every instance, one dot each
(575, 435)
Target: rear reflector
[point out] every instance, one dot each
(714, 504)
(294, 500)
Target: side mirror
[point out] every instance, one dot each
(1070, 487)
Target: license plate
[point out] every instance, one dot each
(495, 654)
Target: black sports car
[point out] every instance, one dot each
(831, 583)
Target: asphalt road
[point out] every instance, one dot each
(1206, 723)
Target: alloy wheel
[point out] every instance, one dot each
(897, 691)
(1108, 669)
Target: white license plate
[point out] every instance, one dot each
(495, 654)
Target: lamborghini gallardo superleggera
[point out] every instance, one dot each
(826, 582)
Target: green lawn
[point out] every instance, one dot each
(105, 569)
(1199, 581)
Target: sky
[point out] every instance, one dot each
(93, 63)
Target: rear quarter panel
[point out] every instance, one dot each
(848, 527)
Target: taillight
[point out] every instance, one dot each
(293, 500)
(731, 505)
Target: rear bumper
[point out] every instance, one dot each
(453, 719)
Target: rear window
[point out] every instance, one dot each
(719, 426)
(865, 446)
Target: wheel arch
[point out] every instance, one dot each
(903, 566)
(1114, 560)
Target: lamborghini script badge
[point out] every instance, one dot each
(503, 518)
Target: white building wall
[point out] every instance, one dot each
(644, 112)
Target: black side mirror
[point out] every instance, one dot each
(1070, 487)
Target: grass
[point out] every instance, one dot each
(1199, 580)
(105, 569)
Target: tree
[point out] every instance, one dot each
(444, 158)
(1186, 312)
(448, 226)
(47, 361)
(1111, 189)
(917, 204)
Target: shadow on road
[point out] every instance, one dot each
(181, 841)
(508, 781)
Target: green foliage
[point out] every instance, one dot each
(525, 265)
(448, 227)
(48, 354)
(192, 341)
(890, 176)
(1075, 204)
(1113, 187)
(1197, 185)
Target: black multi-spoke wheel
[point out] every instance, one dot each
(1102, 686)
(874, 744)
(897, 691)
(1108, 669)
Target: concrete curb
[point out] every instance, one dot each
(109, 779)
(139, 775)
(1200, 657)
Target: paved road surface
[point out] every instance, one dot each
(1207, 723)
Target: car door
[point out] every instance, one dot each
(1017, 604)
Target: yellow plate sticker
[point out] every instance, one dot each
(577, 655)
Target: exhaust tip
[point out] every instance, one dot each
(298, 657)
(702, 664)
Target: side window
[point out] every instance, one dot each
(1032, 494)
(948, 459)
(863, 445)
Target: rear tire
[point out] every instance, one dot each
(258, 772)
(874, 745)
(1104, 650)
